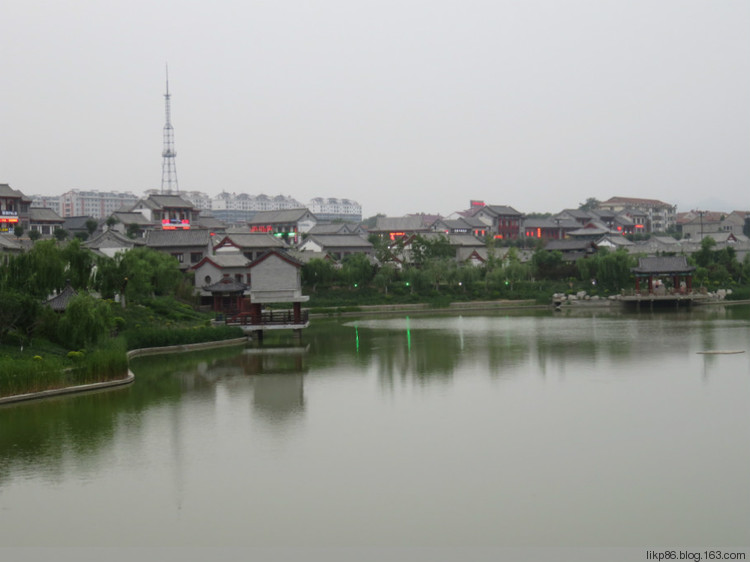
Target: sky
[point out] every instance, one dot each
(404, 106)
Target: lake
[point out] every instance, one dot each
(523, 429)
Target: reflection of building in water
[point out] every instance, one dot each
(278, 396)
(278, 381)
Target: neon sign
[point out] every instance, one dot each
(175, 224)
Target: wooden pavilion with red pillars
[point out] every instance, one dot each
(674, 268)
(653, 277)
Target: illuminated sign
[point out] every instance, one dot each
(175, 224)
(8, 217)
(261, 228)
(395, 235)
(476, 203)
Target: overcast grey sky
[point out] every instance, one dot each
(404, 106)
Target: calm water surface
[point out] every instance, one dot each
(543, 429)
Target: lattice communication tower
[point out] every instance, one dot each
(168, 167)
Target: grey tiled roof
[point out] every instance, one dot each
(663, 264)
(170, 201)
(281, 216)
(340, 241)
(60, 301)
(112, 239)
(39, 214)
(394, 224)
(173, 238)
(254, 241)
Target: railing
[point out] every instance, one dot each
(269, 318)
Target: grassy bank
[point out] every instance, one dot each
(41, 364)
(54, 368)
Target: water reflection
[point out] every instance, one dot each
(71, 433)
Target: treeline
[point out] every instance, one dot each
(431, 273)
(27, 280)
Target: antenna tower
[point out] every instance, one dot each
(168, 167)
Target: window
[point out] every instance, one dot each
(179, 257)
(195, 257)
(207, 279)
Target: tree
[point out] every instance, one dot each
(133, 230)
(111, 221)
(18, 230)
(80, 264)
(149, 273)
(85, 322)
(34, 235)
(384, 277)
(60, 234)
(547, 264)
(356, 269)
(18, 313)
(91, 226)
(318, 272)
(590, 204)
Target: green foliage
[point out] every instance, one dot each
(80, 263)
(141, 273)
(318, 272)
(91, 226)
(547, 264)
(18, 314)
(356, 270)
(610, 270)
(159, 337)
(85, 322)
(590, 204)
(34, 235)
(18, 230)
(60, 234)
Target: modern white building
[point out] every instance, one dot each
(241, 207)
(79, 203)
(330, 209)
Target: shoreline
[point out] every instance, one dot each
(129, 377)
(366, 310)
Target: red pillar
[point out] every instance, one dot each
(297, 313)
(650, 284)
(637, 285)
(689, 280)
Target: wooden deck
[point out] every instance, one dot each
(676, 300)
(270, 320)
